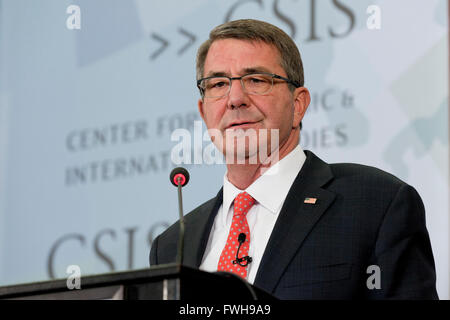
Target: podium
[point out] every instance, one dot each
(164, 282)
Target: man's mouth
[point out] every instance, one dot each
(241, 125)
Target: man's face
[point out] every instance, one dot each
(278, 109)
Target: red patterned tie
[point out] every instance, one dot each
(242, 205)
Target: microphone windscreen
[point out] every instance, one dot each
(177, 173)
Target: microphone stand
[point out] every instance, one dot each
(181, 237)
(179, 177)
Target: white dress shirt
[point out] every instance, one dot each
(269, 191)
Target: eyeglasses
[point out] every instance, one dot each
(253, 83)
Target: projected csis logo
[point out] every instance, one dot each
(373, 22)
(164, 43)
(63, 250)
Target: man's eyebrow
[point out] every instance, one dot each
(256, 70)
(216, 74)
(244, 71)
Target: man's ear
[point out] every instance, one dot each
(302, 100)
(200, 109)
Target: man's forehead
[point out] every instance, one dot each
(243, 56)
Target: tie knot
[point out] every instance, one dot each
(243, 203)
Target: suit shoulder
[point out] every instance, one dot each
(373, 191)
(358, 179)
(365, 173)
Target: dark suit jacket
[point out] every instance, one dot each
(363, 217)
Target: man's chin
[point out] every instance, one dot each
(241, 157)
(245, 146)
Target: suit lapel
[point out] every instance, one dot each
(295, 221)
(198, 227)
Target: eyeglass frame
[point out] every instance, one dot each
(273, 75)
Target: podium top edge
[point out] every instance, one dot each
(97, 280)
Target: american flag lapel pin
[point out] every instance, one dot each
(310, 200)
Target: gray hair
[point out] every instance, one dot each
(255, 30)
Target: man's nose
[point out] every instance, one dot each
(237, 97)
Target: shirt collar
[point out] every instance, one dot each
(271, 188)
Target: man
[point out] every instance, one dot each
(292, 224)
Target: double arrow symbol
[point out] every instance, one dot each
(165, 43)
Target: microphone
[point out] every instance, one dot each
(246, 259)
(179, 178)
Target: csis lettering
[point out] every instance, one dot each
(65, 243)
(316, 29)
